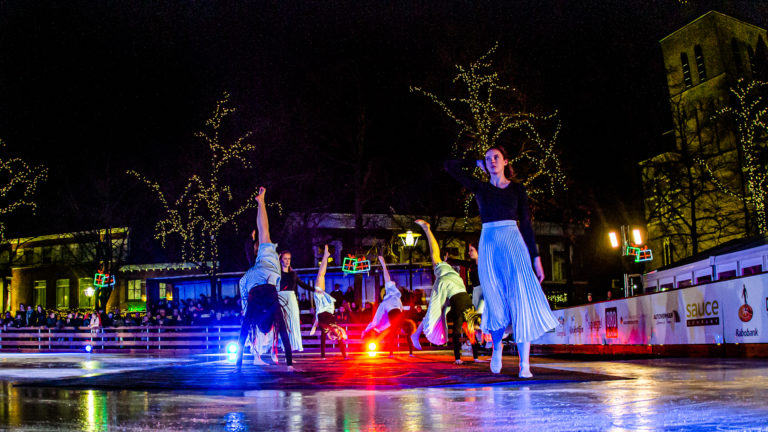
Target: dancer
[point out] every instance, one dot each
(258, 292)
(324, 312)
(448, 291)
(507, 258)
(389, 315)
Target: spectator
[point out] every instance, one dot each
(8, 319)
(50, 322)
(609, 295)
(38, 317)
(337, 295)
(148, 319)
(342, 316)
(589, 297)
(95, 320)
(21, 316)
(349, 294)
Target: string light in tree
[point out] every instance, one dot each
(18, 184)
(199, 214)
(487, 112)
(750, 114)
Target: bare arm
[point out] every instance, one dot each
(384, 269)
(434, 248)
(320, 280)
(262, 221)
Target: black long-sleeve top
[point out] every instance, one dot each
(497, 204)
(290, 281)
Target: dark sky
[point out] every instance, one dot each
(93, 88)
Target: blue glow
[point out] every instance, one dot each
(232, 348)
(88, 348)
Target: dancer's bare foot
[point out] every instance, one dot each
(415, 341)
(422, 223)
(291, 369)
(479, 360)
(257, 361)
(274, 357)
(459, 362)
(496, 358)
(525, 371)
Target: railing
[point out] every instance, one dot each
(155, 339)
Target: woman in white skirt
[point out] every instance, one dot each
(508, 264)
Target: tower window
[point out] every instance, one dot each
(737, 56)
(700, 63)
(686, 70)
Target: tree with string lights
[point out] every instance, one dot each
(19, 181)
(491, 113)
(206, 205)
(750, 115)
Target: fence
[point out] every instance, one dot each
(182, 339)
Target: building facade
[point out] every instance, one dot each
(687, 207)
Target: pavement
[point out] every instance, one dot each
(427, 392)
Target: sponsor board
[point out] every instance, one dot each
(745, 322)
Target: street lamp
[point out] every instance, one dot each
(89, 294)
(634, 248)
(410, 239)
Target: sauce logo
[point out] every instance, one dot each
(611, 323)
(745, 311)
(705, 313)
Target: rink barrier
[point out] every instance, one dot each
(203, 339)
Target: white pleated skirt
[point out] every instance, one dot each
(291, 316)
(514, 300)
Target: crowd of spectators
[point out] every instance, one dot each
(195, 312)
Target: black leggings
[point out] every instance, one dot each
(397, 323)
(459, 303)
(263, 312)
(325, 319)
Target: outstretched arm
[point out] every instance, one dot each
(434, 248)
(320, 280)
(384, 269)
(262, 222)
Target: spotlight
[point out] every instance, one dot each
(232, 348)
(88, 348)
(372, 346)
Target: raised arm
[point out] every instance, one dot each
(262, 221)
(434, 248)
(455, 169)
(384, 269)
(320, 280)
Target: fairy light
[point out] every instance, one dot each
(483, 122)
(19, 184)
(198, 215)
(750, 114)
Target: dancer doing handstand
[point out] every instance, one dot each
(389, 315)
(258, 292)
(324, 308)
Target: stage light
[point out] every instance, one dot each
(231, 350)
(372, 346)
(614, 239)
(88, 348)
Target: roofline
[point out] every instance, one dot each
(69, 235)
(712, 12)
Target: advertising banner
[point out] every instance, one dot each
(703, 314)
(626, 321)
(745, 309)
(666, 324)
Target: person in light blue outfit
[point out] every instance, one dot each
(449, 296)
(258, 292)
(324, 308)
(389, 314)
(508, 264)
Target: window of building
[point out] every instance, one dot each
(686, 70)
(684, 283)
(84, 301)
(62, 293)
(39, 294)
(666, 286)
(557, 254)
(700, 63)
(47, 256)
(666, 252)
(134, 289)
(752, 270)
(737, 56)
(726, 274)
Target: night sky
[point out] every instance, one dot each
(91, 89)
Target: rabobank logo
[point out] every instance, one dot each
(746, 332)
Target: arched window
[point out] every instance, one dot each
(737, 56)
(686, 70)
(700, 63)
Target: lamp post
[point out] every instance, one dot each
(89, 294)
(629, 248)
(410, 239)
